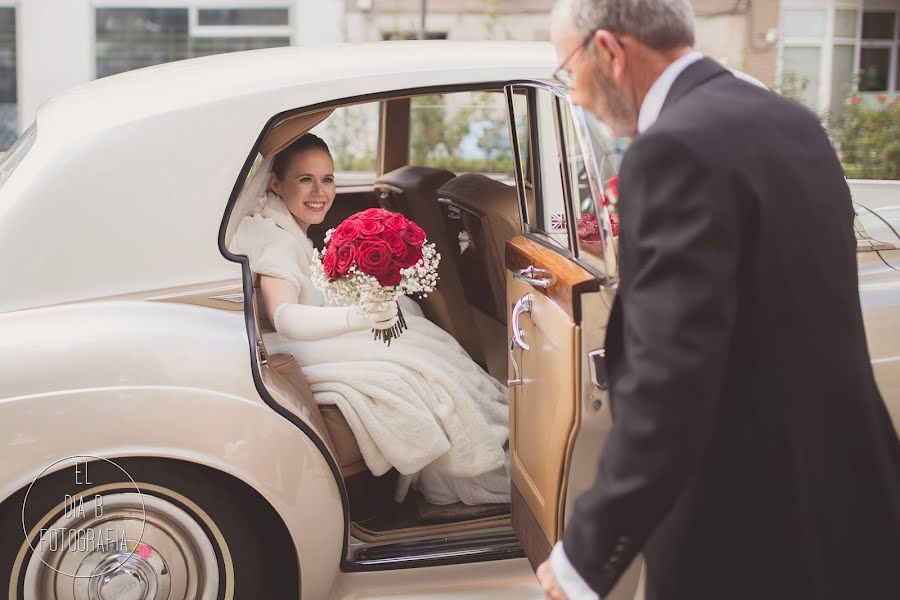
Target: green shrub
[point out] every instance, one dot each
(867, 138)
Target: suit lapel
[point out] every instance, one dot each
(694, 75)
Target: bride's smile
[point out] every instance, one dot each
(306, 184)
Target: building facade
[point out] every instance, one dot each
(817, 50)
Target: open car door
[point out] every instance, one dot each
(560, 283)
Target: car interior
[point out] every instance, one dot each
(469, 216)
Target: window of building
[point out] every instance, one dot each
(9, 128)
(878, 51)
(821, 60)
(131, 38)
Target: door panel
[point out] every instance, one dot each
(545, 408)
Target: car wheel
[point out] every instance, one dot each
(202, 536)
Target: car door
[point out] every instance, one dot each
(560, 283)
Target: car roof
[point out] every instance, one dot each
(333, 71)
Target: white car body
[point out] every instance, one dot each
(110, 228)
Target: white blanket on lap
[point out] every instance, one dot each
(420, 405)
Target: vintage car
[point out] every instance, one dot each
(130, 337)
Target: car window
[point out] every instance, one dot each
(351, 133)
(463, 132)
(545, 196)
(592, 208)
(17, 153)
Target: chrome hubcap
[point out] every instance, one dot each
(168, 556)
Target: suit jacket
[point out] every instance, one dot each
(751, 454)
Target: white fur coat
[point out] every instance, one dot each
(420, 405)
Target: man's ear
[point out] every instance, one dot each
(613, 55)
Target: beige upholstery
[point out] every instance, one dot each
(327, 418)
(412, 191)
(283, 134)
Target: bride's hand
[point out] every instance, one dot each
(379, 315)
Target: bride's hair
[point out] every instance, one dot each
(308, 141)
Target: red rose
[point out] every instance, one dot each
(370, 227)
(345, 232)
(346, 255)
(373, 257)
(854, 101)
(371, 213)
(413, 255)
(414, 235)
(396, 223)
(882, 98)
(390, 277)
(395, 243)
(328, 264)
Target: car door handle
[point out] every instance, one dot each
(533, 276)
(523, 305)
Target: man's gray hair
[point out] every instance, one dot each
(660, 24)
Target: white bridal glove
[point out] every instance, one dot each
(303, 322)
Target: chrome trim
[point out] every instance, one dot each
(438, 550)
(535, 277)
(235, 298)
(524, 305)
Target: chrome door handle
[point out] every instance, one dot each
(522, 306)
(541, 278)
(518, 337)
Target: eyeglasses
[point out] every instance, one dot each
(561, 74)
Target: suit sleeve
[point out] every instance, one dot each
(680, 240)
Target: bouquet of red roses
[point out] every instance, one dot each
(375, 256)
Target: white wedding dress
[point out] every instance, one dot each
(420, 405)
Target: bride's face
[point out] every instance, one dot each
(308, 186)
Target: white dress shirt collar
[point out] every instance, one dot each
(655, 98)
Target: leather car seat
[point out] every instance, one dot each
(327, 418)
(485, 213)
(412, 191)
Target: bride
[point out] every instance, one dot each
(420, 405)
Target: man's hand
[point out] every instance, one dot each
(547, 579)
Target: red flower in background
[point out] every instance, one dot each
(882, 98)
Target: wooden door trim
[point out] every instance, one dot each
(571, 281)
(537, 547)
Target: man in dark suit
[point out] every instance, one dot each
(751, 454)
